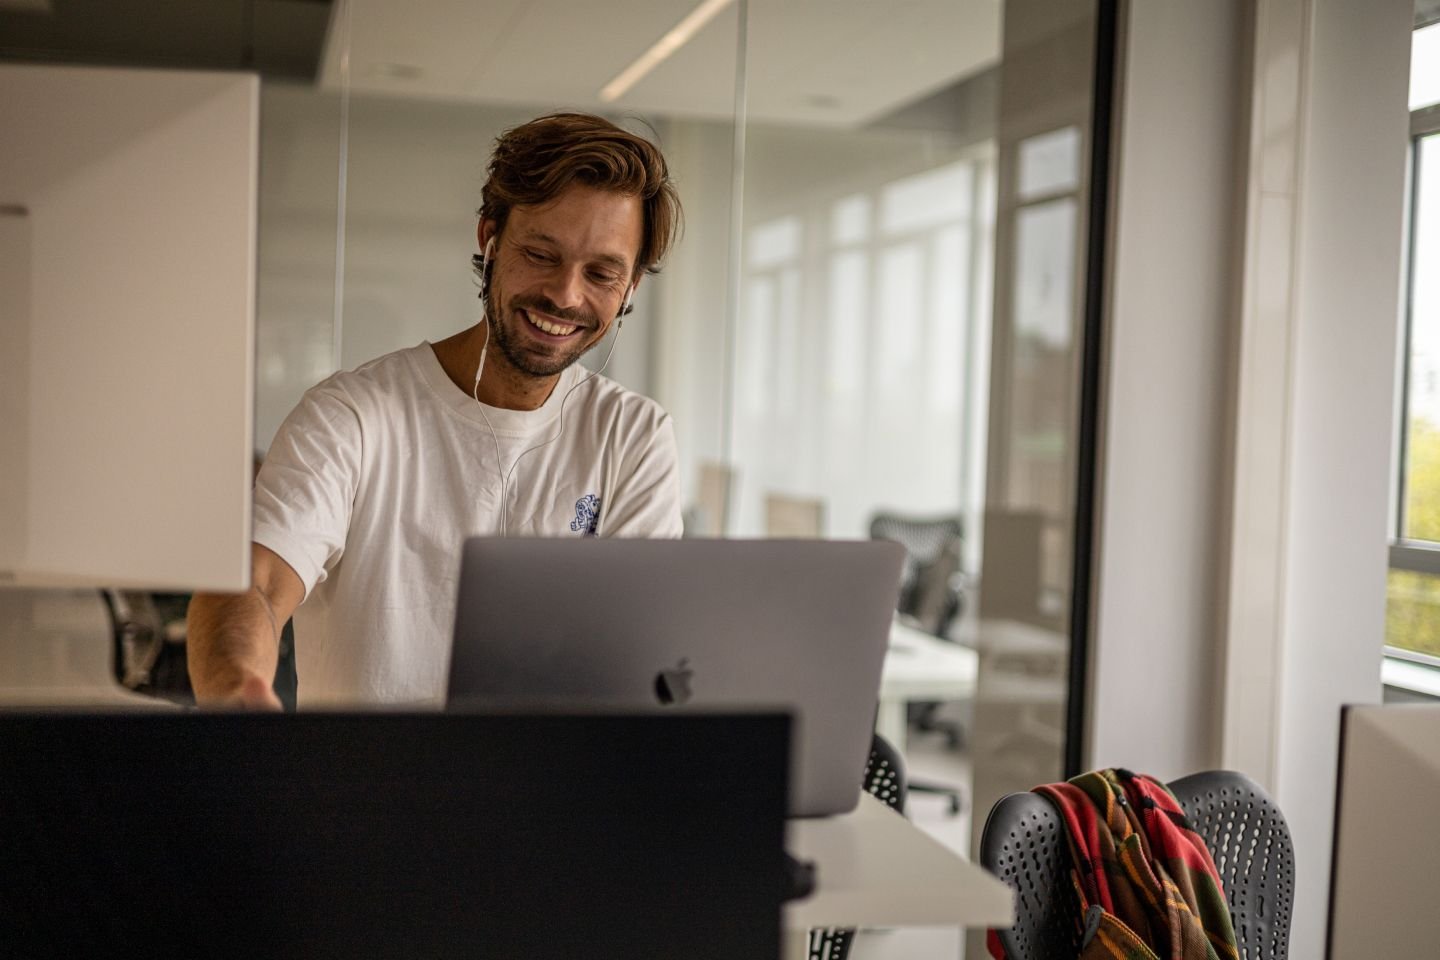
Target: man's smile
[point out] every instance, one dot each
(551, 329)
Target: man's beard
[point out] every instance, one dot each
(529, 363)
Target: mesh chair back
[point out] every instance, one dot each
(932, 556)
(1250, 843)
(885, 774)
(884, 780)
(1024, 845)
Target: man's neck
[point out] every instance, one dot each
(501, 385)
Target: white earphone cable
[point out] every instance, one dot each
(619, 325)
(507, 475)
(493, 438)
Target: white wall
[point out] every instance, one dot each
(1347, 290)
(1158, 574)
(295, 283)
(691, 331)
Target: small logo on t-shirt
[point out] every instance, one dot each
(587, 515)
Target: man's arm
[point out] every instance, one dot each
(233, 639)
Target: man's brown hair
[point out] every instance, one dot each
(533, 163)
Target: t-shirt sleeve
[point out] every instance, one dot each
(306, 488)
(646, 499)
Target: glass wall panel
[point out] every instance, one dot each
(873, 317)
(884, 322)
(934, 206)
(427, 89)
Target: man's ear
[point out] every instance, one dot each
(484, 231)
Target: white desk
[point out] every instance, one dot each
(919, 666)
(874, 868)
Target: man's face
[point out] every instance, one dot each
(562, 270)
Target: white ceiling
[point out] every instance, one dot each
(826, 62)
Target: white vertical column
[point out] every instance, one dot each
(1263, 388)
(1163, 462)
(1346, 307)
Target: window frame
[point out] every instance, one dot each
(1405, 553)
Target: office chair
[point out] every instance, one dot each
(1250, 843)
(929, 582)
(137, 637)
(884, 780)
(1024, 844)
(930, 594)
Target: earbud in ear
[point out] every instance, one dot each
(626, 307)
(484, 266)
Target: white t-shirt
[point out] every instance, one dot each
(375, 480)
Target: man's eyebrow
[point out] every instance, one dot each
(613, 259)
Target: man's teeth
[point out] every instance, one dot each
(554, 329)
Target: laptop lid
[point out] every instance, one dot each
(387, 835)
(688, 624)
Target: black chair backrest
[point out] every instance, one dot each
(885, 774)
(932, 555)
(1024, 844)
(1250, 843)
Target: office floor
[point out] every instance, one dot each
(927, 758)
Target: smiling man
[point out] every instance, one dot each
(375, 480)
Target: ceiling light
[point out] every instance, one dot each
(662, 49)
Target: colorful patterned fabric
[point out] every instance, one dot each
(1146, 883)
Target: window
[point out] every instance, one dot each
(1413, 609)
(863, 300)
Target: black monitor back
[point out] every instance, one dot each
(441, 835)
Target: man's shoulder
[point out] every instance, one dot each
(380, 378)
(615, 400)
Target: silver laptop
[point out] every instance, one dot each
(686, 625)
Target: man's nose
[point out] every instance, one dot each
(566, 286)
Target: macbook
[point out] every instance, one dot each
(687, 625)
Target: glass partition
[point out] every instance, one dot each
(908, 347)
(872, 325)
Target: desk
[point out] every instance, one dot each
(919, 666)
(874, 868)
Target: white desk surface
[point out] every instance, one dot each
(1013, 637)
(919, 666)
(874, 868)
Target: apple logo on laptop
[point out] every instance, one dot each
(673, 686)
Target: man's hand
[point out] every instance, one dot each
(234, 639)
(253, 694)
